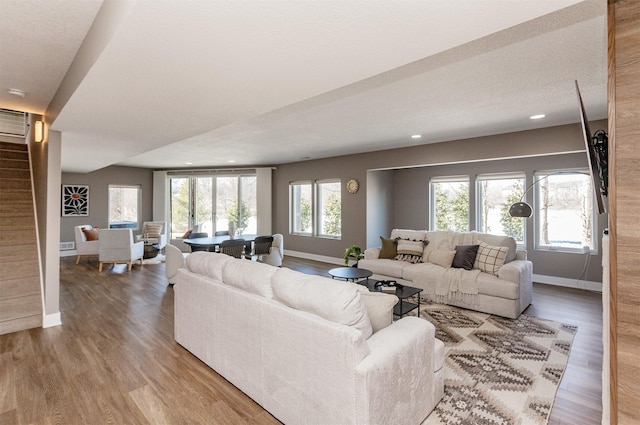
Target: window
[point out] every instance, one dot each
(495, 194)
(316, 208)
(329, 208)
(564, 210)
(300, 201)
(450, 203)
(124, 206)
(213, 201)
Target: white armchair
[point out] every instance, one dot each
(174, 260)
(156, 232)
(117, 246)
(84, 246)
(277, 251)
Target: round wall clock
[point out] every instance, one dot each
(353, 186)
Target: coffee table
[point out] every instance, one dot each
(402, 292)
(150, 250)
(350, 273)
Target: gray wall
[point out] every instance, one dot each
(98, 182)
(361, 220)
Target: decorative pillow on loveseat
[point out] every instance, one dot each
(410, 251)
(442, 257)
(490, 258)
(389, 248)
(465, 256)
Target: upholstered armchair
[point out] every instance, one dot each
(117, 246)
(87, 242)
(179, 242)
(174, 260)
(276, 254)
(155, 232)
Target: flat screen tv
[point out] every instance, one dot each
(598, 157)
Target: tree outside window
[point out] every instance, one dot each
(124, 206)
(450, 206)
(301, 208)
(329, 208)
(496, 193)
(316, 208)
(564, 210)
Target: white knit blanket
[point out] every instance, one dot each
(449, 284)
(446, 284)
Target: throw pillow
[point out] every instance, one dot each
(490, 258)
(465, 256)
(379, 307)
(389, 248)
(186, 234)
(152, 230)
(91, 234)
(410, 251)
(441, 257)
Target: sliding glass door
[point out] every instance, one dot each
(213, 201)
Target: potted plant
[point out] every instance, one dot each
(353, 251)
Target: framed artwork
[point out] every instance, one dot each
(75, 200)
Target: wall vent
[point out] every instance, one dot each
(13, 123)
(65, 246)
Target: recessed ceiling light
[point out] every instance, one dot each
(188, 163)
(416, 136)
(231, 160)
(537, 117)
(16, 92)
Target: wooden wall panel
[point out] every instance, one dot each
(624, 172)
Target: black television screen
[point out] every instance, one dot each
(597, 155)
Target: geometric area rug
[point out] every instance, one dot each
(497, 370)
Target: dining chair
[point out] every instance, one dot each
(261, 246)
(221, 233)
(233, 247)
(195, 248)
(277, 251)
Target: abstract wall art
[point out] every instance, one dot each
(75, 200)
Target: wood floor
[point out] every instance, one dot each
(114, 360)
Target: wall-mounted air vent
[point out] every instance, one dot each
(65, 246)
(13, 123)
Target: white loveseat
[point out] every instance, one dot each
(304, 347)
(504, 291)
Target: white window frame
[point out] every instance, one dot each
(540, 175)
(316, 194)
(432, 197)
(479, 198)
(293, 213)
(138, 207)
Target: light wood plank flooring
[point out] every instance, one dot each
(114, 359)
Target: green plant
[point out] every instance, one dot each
(352, 251)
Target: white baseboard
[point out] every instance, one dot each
(68, 253)
(51, 320)
(549, 280)
(568, 283)
(315, 257)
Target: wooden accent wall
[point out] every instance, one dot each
(624, 201)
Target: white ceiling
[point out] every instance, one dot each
(162, 83)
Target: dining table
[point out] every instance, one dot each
(209, 243)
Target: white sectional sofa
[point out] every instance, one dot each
(309, 349)
(494, 287)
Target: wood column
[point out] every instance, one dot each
(624, 202)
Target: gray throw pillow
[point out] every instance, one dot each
(465, 256)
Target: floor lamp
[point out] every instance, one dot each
(521, 208)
